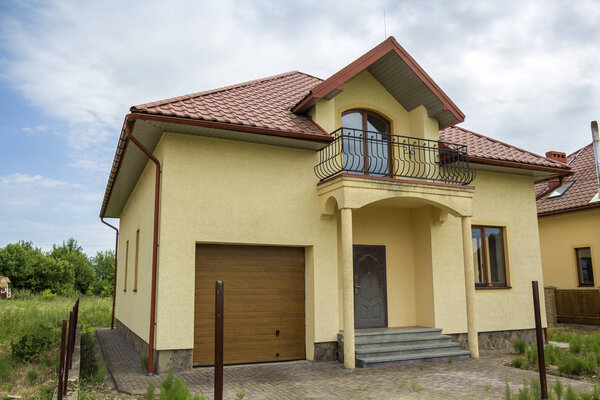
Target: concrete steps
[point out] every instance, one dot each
(399, 346)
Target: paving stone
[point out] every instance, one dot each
(482, 378)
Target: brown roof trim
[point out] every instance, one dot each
(132, 117)
(514, 164)
(337, 80)
(568, 210)
(326, 138)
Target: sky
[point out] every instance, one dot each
(527, 73)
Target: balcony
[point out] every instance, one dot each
(376, 154)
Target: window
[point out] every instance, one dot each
(137, 256)
(585, 270)
(365, 144)
(488, 256)
(562, 189)
(126, 262)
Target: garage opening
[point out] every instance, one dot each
(264, 303)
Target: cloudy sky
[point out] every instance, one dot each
(523, 72)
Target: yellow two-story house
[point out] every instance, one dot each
(349, 218)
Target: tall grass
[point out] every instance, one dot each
(27, 314)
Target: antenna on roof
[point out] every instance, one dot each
(384, 27)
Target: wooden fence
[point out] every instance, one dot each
(578, 306)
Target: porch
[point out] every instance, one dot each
(405, 250)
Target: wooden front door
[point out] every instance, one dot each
(370, 288)
(264, 303)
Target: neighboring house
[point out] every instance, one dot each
(326, 206)
(569, 223)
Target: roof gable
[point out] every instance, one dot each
(400, 74)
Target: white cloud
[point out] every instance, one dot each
(523, 72)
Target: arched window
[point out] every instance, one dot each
(365, 143)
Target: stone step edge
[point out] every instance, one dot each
(391, 349)
(415, 357)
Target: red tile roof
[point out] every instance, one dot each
(483, 147)
(262, 103)
(582, 163)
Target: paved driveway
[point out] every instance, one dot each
(484, 378)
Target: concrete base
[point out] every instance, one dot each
(164, 360)
(496, 340)
(326, 351)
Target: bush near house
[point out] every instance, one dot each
(65, 270)
(582, 358)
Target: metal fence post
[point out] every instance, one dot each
(540, 340)
(61, 368)
(219, 308)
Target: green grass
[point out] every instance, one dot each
(532, 391)
(27, 314)
(582, 358)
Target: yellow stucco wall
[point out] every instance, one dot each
(133, 308)
(224, 191)
(559, 236)
(509, 200)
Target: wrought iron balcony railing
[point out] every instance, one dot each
(385, 155)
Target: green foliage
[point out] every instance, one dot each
(576, 344)
(532, 391)
(64, 271)
(520, 345)
(32, 376)
(6, 367)
(48, 295)
(517, 362)
(30, 346)
(570, 364)
(240, 394)
(557, 388)
(176, 389)
(149, 395)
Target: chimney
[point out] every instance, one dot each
(561, 158)
(596, 138)
(557, 156)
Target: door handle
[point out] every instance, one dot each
(356, 287)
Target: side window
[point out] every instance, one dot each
(126, 265)
(585, 270)
(489, 256)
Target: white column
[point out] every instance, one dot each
(348, 287)
(470, 287)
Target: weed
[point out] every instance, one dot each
(570, 394)
(487, 388)
(576, 344)
(176, 389)
(421, 367)
(30, 346)
(144, 362)
(149, 391)
(517, 362)
(6, 368)
(32, 376)
(362, 388)
(240, 394)
(520, 345)
(557, 388)
(415, 387)
(402, 385)
(450, 359)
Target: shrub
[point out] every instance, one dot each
(176, 389)
(520, 345)
(557, 388)
(149, 391)
(30, 346)
(576, 344)
(570, 365)
(517, 362)
(48, 295)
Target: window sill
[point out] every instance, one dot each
(586, 285)
(492, 287)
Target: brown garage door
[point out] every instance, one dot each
(264, 303)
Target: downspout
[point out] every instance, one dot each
(596, 138)
(128, 131)
(112, 322)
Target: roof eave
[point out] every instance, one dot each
(336, 81)
(568, 210)
(513, 164)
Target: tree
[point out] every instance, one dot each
(71, 252)
(103, 265)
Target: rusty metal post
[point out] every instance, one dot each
(69, 355)
(61, 367)
(540, 340)
(219, 308)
